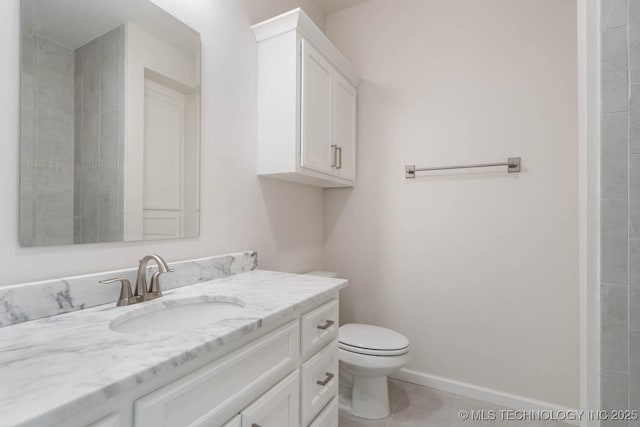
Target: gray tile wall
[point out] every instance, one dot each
(620, 206)
(46, 149)
(99, 139)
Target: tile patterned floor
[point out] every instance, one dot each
(416, 406)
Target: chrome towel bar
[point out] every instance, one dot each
(512, 164)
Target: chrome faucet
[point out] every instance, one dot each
(142, 292)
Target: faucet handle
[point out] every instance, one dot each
(125, 291)
(154, 288)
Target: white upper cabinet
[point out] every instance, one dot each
(317, 110)
(344, 127)
(306, 104)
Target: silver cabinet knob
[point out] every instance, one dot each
(327, 325)
(326, 380)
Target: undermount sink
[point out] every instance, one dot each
(177, 315)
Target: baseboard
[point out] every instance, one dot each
(494, 397)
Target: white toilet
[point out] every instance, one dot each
(367, 355)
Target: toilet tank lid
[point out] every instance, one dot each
(323, 273)
(372, 337)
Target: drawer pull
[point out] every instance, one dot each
(255, 425)
(328, 378)
(327, 325)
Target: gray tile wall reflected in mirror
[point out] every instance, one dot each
(46, 158)
(72, 149)
(620, 206)
(99, 139)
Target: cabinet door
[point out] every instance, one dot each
(279, 407)
(319, 382)
(328, 417)
(119, 415)
(319, 327)
(210, 395)
(345, 127)
(316, 116)
(235, 422)
(108, 421)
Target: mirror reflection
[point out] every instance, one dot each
(110, 123)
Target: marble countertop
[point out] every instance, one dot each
(54, 367)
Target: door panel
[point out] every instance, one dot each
(329, 416)
(235, 422)
(279, 407)
(163, 153)
(345, 127)
(319, 382)
(317, 81)
(206, 397)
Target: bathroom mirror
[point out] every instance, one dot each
(110, 123)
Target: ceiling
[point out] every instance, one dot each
(332, 6)
(74, 23)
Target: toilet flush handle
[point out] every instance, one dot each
(327, 325)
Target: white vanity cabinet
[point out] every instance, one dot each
(319, 368)
(329, 416)
(113, 420)
(306, 104)
(235, 422)
(319, 382)
(286, 376)
(223, 387)
(280, 406)
(266, 383)
(319, 328)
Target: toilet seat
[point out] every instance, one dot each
(371, 352)
(372, 340)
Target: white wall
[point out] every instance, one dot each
(282, 221)
(478, 268)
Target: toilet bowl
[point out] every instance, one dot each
(367, 355)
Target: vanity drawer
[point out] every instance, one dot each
(235, 422)
(319, 382)
(211, 395)
(329, 415)
(279, 407)
(319, 327)
(113, 420)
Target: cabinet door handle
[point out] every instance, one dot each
(334, 155)
(327, 324)
(339, 162)
(255, 425)
(328, 378)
